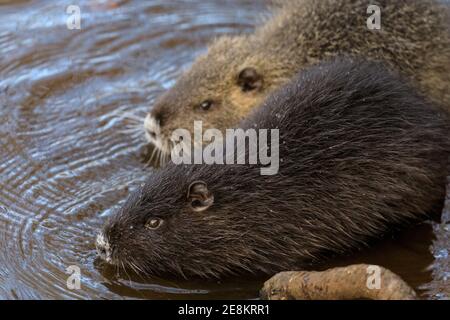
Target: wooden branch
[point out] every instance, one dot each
(359, 281)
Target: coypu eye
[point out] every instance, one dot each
(153, 223)
(206, 105)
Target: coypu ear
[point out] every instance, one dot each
(199, 196)
(249, 79)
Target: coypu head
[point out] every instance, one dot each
(181, 229)
(220, 89)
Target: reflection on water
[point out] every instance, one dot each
(71, 105)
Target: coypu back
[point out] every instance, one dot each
(360, 153)
(238, 72)
(414, 37)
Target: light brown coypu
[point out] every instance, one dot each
(238, 72)
(360, 154)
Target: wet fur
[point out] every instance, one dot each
(361, 153)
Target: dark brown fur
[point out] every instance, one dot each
(414, 40)
(360, 153)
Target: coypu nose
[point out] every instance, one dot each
(152, 128)
(103, 247)
(151, 134)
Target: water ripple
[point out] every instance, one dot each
(66, 162)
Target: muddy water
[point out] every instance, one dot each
(71, 105)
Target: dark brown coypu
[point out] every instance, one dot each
(360, 153)
(238, 72)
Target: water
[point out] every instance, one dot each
(71, 105)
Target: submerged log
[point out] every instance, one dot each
(359, 281)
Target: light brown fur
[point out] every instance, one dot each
(414, 39)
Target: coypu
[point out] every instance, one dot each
(360, 153)
(238, 72)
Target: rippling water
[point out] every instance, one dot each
(71, 106)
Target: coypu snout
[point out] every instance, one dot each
(162, 145)
(152, 130)
(103, 247)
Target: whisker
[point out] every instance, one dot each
(149, 162)
(126, 131)
(130, 115)
(159, 158)
(167, 157)
(135, 269)
(132, 121)
(117, 267)
(138, 270)
(168, 150)
(134, 125)
(161, 155)
(126, 273)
